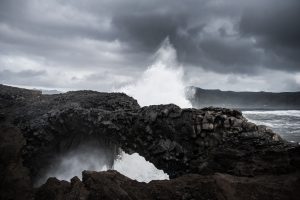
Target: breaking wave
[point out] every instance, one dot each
(162, 82)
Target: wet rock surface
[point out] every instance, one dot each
(182, 142)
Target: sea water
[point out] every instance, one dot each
(284, 122)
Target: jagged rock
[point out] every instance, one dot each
(112, 185)
(166, 135)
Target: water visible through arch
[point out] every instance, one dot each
(92, 156)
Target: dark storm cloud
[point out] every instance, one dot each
(276, 27)
(264, 34)
(147, 31)
(116, 37)
(276, 22)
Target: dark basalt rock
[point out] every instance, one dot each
(112, 185)
(179, 141)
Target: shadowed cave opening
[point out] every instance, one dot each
(95, 154)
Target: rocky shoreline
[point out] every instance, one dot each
(210, 153)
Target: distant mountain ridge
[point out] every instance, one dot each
(244, 100)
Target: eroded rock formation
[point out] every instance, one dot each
(179, 141)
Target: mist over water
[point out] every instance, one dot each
(91, 157)
(162, 82)
(87, 156)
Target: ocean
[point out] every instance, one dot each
(284, 122)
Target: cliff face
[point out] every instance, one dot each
(245, 100)
(182, 142)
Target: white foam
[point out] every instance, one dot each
(295, 113)
(162, 82)
(136, 167)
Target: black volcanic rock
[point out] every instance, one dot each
(112, 185)
(244, 100)
(179, 141)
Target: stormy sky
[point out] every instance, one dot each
(104, 44)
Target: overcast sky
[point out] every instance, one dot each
(104, 44)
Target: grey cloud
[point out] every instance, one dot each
(291, 85)
(117, 36)
(274, 22)
(147, 31)
(275, 26)
(264, 30)
(24, 77)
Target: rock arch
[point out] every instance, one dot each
(179, 141)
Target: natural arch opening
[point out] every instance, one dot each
(96, 155)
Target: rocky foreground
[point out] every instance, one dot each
(210, 153)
